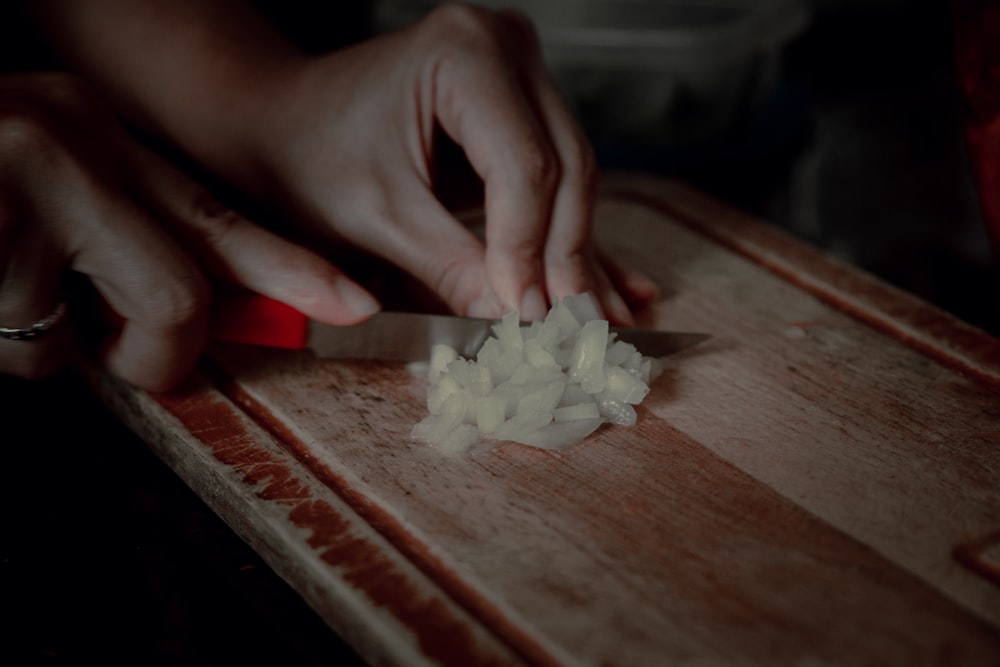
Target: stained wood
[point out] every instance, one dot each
(815, 484)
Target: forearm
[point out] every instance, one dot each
(202, 74)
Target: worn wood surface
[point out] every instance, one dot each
(816, 484)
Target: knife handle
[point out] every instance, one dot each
(250, 318)
(256, 319)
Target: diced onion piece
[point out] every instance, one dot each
(538, 356)
(441, 356)
(460, 438)
(617, 412)
(457, 407)
(623, 385)
(491, 412)
(586, 366)
(558, 435)
(619, 353)
(564, 321)
(519, 427)
(579, 411)
(583, 307)
(508, 331)
(527, 374)
(541, 399)
(439, 393)
(501, 361)
(434, 428)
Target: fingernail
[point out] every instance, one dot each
(641, 285)
(485, 306)
(620, 314)
(533, 304)
(356, 298)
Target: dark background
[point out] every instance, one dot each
(106, 554)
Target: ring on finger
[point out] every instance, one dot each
(38, 329)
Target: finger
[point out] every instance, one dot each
(638, 289)
(237, 250)
(73, 189)
(570, 262)
(144, 276)
(425, 240)
(29, 295)
(481, 104)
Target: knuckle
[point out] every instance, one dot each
(465, 30)
(572, 264)
(213, 221)
(179, 303)
(37, 120)
(23, 135)
(539, 169)
(462, 19)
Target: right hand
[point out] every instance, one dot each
(79, 194)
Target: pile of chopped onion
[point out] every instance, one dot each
(547, 384)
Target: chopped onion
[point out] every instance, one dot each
(547, 384)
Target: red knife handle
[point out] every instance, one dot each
(246, 317)
(258, 320)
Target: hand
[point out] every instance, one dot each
(79, 194)
(349, 147)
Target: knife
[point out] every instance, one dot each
(387, 336)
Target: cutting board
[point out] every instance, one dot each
(819, 483)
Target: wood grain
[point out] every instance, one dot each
(797, 489)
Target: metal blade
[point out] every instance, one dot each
(392, 336)
(653, 343)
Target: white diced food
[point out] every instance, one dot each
(441, 356)
(491, 412)
(570, 413)
(586, 366)
(617, 412)
(538, 355)
(558, 435)
(541, 398)
(583, 307)
(508, 331)
(546, 384)
(623, 385)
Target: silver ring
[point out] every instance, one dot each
(38, 329)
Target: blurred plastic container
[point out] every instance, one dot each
(667, 72)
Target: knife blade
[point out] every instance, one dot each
(388, 336)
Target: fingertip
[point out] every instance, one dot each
(639, 289)
(325, 294)
(616, 310)
(152, 361)
(358, 302)
(486, 306)
(636, 288)
(533, 304)
(154, 353)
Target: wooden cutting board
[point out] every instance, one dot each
(819, 483)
